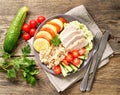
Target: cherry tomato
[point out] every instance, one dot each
(32, 31)
(82, 51)
(33, 23)
(75, 53)
(57, 69)
(40, 19)
(66, 62)
(76, 61)
(26, 36)
(26, 27)
(69, 57)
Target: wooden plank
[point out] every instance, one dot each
(106, 14)
(107, 82)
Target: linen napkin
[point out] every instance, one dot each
(61, 83)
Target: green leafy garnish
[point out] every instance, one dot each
(56, 41)
(26, 65)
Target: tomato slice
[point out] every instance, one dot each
(69, 57)
(66, 62)
(82, 51)
(57, 69)
(75, 53)
(76, 61)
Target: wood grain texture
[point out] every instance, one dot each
(106, 14)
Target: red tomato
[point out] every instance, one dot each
(26, 36)
(66, 62)
(75, 53)
(40, 19)
(82, 51)
(69, 57)
(76, 61)
(33, 23)
(26, 27)
(57, 69)
(32, 31)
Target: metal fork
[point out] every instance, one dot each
(96, 42)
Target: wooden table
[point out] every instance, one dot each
(106, 14)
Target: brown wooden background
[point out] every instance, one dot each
(106, 14)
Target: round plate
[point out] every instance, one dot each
(69, 19)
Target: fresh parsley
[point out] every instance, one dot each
(24, 64)
(56, 41)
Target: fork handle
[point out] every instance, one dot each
(90, 83)
(84, 82)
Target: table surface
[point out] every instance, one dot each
(106, 14)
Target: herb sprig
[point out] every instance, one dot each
(56, 41)
(20, 64)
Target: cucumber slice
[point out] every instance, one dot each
(64, 73)
(82, 57)
(67, 67)
(74, 68)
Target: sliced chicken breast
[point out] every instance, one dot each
(67, 30)
(78, 44)
(72, 38)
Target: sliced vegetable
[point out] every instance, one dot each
(64, 73)
(69, 57)
(57, 69)
(76, 61)
(75, 53)
(81, 61)
(74, 68)
(65, 62)
(14, 30)
(82, 51)
(67, 67)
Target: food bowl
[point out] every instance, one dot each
(69, 18)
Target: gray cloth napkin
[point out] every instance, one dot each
(61, 83)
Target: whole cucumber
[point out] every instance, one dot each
(14, 30)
